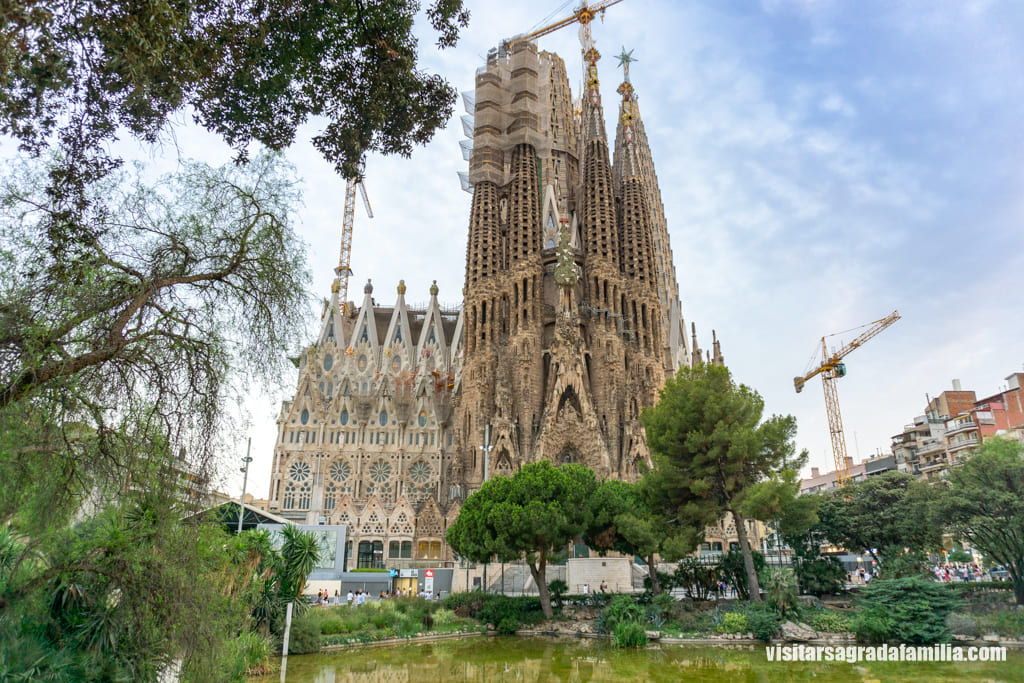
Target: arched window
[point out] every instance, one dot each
(305, 496)
(288, 500)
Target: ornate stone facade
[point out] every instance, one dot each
(570, 323)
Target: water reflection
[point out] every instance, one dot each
(539, 659)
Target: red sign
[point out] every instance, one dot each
(429, 573)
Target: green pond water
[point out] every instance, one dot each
(489, 659)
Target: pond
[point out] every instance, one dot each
(546, 659)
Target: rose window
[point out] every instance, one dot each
(380, 471)
(340, 471)
(420, 472)
(299, 471)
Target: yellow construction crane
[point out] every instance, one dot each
(832, 368)
(583, 14)
(344, 268)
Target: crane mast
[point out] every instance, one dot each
(344, 267)
(831, 369)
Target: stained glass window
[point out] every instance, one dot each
(299, 471)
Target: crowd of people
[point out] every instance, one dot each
(959, 572)
(324, 597)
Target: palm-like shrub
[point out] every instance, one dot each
(300, 553)
(782, 592)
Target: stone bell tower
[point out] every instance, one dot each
(572, 315)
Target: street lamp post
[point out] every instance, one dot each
(245, 480)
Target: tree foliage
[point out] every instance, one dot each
(888, 516)
(118, 595)
(536, 512)
(910, 610)
(119, 358)
(985, 506)
(75, 73)
(624, 522)
(710, 448)
(139, 335)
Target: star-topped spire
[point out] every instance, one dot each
(625, 58)
(626, 137)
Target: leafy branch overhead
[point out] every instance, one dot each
(248, 70)
(177, 285)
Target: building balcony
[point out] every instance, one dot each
(930, 447)
(932, 466)
(969, 442)
(960, 426)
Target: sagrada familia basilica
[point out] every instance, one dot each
(570, 323)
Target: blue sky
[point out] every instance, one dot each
(822, 163)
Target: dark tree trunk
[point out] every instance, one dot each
(538, 569)
(748, 557)
(655, 584)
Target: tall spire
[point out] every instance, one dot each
(597, 208)
(627, 160)
(637, 245)
(593, 112)
(633, 159)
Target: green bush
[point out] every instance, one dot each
(500, 609)
(630, 634)
(698, 579)
(873, 626)
(820, 575)
(305, 634)
(830, 622)
(963, 625)
(762, 620)
(444, 617)
(252, 655)
(407, 626)
(663, 606)
(1006, 622)
(621, 609)
(915, 608)
(733, 622)
(466, 604)
(691, 622)
(331, 626)
(508, 625)
(960, 555)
